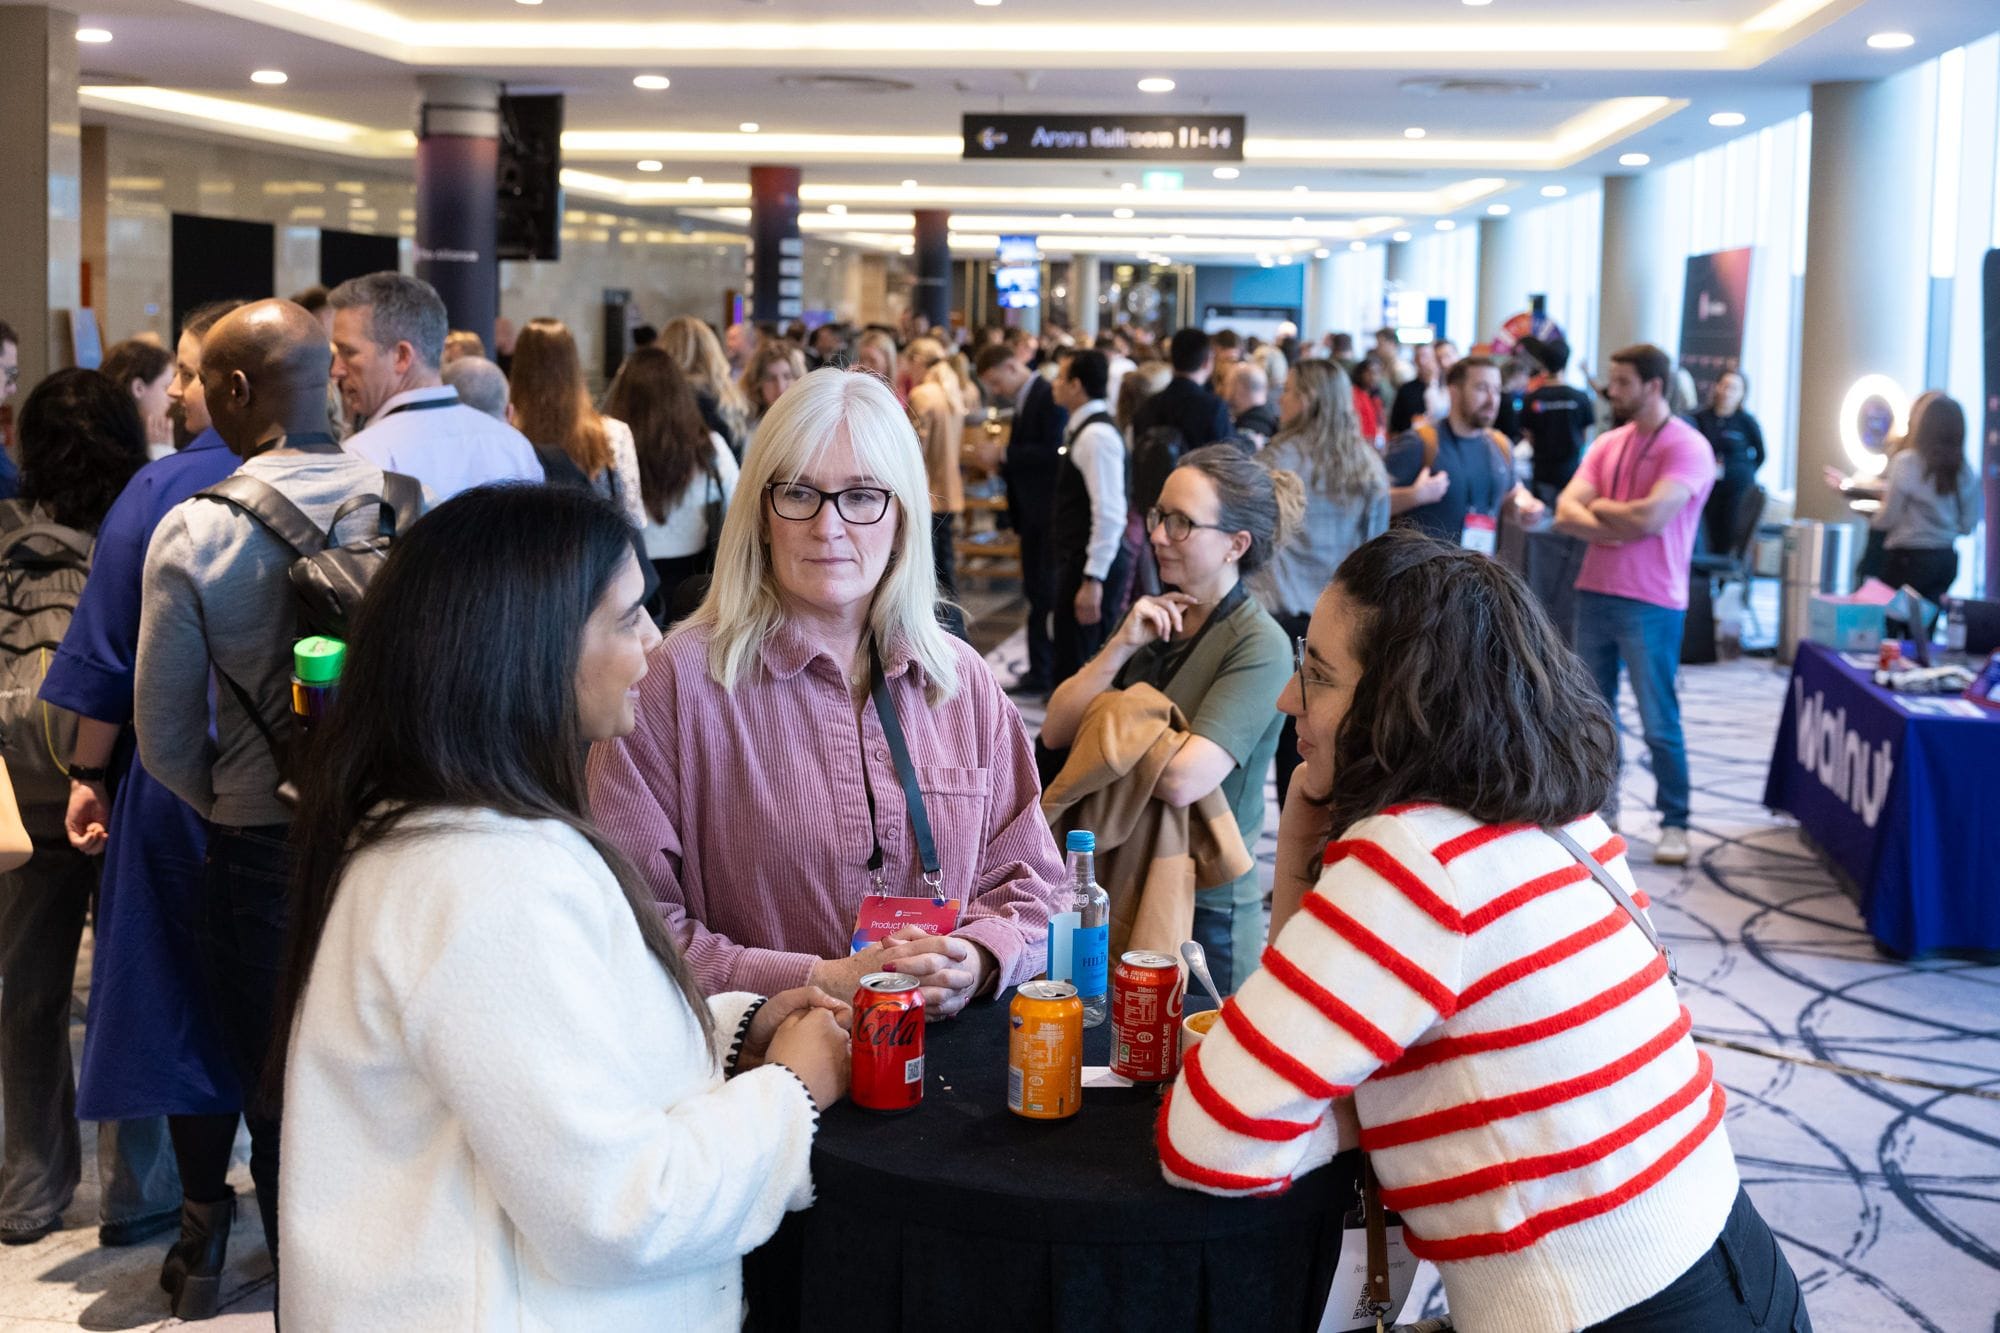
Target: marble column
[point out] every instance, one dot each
(41, 206)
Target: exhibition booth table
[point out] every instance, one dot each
(961, 1215)
(1903, 793)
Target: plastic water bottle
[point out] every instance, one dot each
(1080, 938)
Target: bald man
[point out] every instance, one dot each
(216, 593)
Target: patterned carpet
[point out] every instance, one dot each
(1886, 1196)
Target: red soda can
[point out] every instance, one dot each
(888, 1043)
(1146, 1017)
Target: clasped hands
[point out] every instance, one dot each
(949, 970)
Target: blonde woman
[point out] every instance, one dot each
(548, 403)
(1347, 503)
(875, 352)
(938, 406)
(697, 352)
(774, 367)
(768, 700)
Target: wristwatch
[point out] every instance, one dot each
(85, 773)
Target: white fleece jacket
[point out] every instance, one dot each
(499, 1113)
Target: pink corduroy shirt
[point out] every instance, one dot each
(747, 813)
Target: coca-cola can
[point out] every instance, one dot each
(1146, 1017)
(888, 1043)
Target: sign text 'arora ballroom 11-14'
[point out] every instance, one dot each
(1151, 138)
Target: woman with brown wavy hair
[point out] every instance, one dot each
(548, 402)
(686, 473)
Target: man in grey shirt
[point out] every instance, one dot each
(216, 593)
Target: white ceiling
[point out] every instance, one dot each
(1328, 87)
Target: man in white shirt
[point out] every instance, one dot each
(388, 341)
(1088, 530)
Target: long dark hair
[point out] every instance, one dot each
(652, 397)
(1939, 439)
(1467, 696)
(551, 405)
(81, 441)
(450, 699)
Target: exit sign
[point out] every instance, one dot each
(1160, 180)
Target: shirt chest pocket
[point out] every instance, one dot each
(956, 800)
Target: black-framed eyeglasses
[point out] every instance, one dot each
(1299, 665)
(1179, 526)
(801, 503)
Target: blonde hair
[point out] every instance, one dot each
(1326, 431)
(882, 343)
(696, 350)
(744, 606)
(772, 350)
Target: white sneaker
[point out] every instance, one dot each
(1672, 848)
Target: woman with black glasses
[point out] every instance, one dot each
(763, 792)
(1217, 655)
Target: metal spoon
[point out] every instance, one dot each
(1197, 960)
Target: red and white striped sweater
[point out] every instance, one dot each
(1520, 1065)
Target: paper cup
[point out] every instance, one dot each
(1195, 1026)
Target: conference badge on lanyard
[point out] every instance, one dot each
(883, 914)
(1481, 534)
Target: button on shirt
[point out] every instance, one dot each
(748, 813)
(449, 447)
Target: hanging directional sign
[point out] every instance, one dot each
(1143, 138)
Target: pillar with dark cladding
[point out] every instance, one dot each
(776, 258)
(932, 297)
(41, 204)
(458, 159)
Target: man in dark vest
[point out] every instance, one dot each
(1086, 535)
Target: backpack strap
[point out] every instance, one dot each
(1429, 435)
(77, 544)
(1502, 447)
(279, 516)
(399, 505)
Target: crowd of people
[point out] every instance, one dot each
(522, 1026)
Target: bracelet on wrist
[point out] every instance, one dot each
(86, 774)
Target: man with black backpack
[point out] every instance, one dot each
(218, 597)
(1088, 528)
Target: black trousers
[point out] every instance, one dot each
(1930, 572)
(1718, 516)
(1028, 512)
(1294, 624)
(1074, 643)
(1743, 1282)
(248, 891)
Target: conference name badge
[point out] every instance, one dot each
(1481, 534)
(883, 914)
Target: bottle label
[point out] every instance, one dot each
(1090, 947)
(1062, 926)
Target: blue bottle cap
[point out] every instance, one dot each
(1080, 840)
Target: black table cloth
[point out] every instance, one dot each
(962, 1216)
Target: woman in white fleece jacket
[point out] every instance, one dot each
(506, 1104)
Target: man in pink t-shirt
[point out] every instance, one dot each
(1637, 500)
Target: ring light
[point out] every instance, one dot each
(1871, 461)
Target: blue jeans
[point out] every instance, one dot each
(1646, 639)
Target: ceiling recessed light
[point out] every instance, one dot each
(1298, 222)
(1415, 132)
(1726, 120)
(93, 36)
(909, 185)
(527, 2)
(1891, 41)
(694, 180)
(1128, 186)
(1554, 191)
(1322, 253)
(1356, 246)
(1300, 189)
(650, 165)
(1067, 217)
(1446, 224)
(1121, 213)
(1476, 4)
(1635, 159)
(270, 76)
(652, 83)
(1156, 85)
(749, 127)
(1498, 210)
(1227, 173)
(986, 3)
(838, 210)
(1400, 236)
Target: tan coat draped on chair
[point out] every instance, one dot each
(1151, 857)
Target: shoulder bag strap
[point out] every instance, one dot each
(279, 516)
(1615, 889)
(1376, 1280)
(906, 773)
(249, 706)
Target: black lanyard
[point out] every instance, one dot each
(1638, 458)
(906, 773)
(421, 405)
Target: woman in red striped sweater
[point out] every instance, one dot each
(1521, 1068)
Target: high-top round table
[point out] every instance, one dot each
(961, 1216)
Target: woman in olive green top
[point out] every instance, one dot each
(1218, 655)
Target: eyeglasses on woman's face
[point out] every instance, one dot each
(1179, 526)
(1305, 673)
(800, 503)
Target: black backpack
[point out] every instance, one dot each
(43, 566)
(328, 581)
